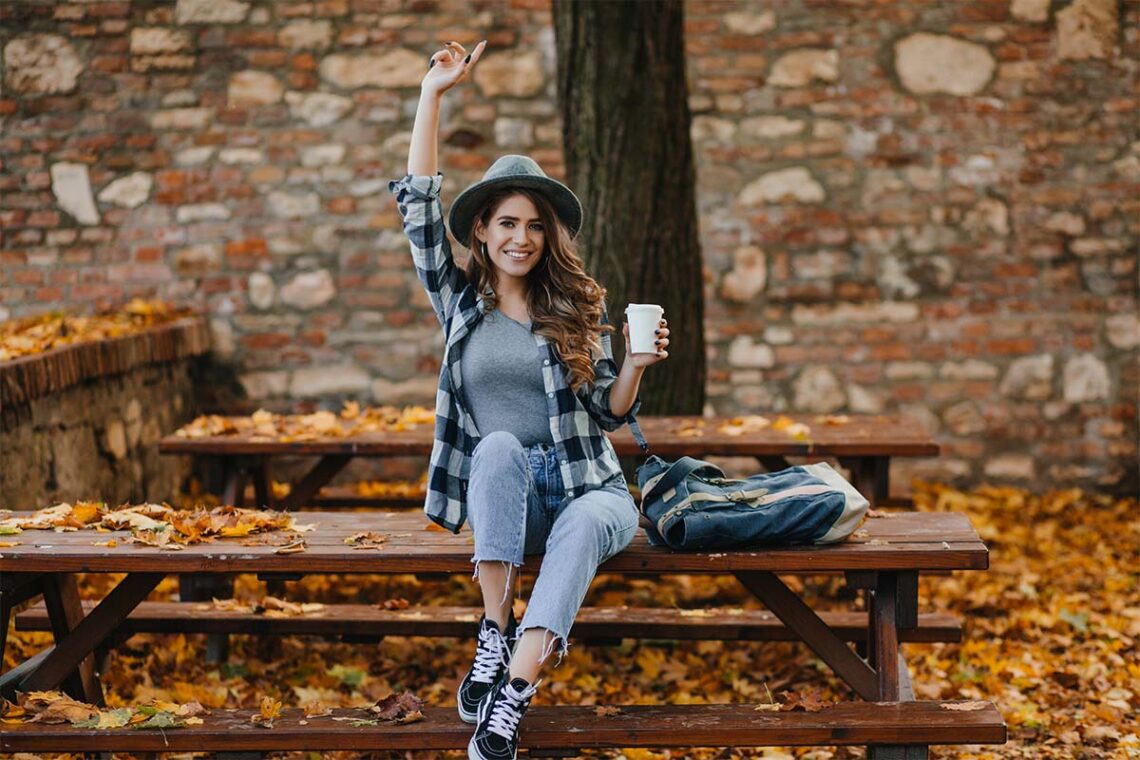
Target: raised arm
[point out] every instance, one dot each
(448, 67)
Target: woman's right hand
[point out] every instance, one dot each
(450, 66)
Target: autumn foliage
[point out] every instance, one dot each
(44, 332)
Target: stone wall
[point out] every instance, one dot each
(97, 440)
(929, 207)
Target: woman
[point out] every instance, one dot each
(527, 385)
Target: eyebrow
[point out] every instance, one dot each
(515, 218)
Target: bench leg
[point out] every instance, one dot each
(61, 595)
(15, 588)
(323, 471)
(800, 618)
(870, 476)
(71, 661)
(202, 588)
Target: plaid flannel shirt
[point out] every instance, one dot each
(587, 458)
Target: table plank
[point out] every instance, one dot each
(910, 541)
(571, 727)
(880, 435)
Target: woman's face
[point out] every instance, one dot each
(514, 236)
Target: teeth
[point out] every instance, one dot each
(514, 255)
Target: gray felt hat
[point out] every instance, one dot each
(513, 171)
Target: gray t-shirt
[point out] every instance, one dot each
(502, 380)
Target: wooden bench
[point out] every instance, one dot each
(361, 622)
(888, 728)
(885, 563)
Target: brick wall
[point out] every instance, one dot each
(925, 206)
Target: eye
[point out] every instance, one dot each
(536, 227)
(507, 224)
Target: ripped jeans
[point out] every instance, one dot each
(517, 504)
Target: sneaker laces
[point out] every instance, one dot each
(507, 710)
(490, 655)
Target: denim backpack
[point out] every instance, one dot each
(690, 504)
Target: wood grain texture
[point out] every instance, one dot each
(592, 623)
(865, 436)
(848, 723)
(908, 541)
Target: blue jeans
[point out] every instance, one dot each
(517, 504)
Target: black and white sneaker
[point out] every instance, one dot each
(492, 656)
(497, 737)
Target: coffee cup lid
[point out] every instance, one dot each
(642, 307)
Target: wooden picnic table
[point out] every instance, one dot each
(885, 560)
(863, 444)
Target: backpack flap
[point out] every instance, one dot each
(664, 485)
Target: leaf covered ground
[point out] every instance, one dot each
(1051, 638)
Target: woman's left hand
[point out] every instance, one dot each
(661, 339)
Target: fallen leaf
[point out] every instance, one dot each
(269, 711)
(316, 710)
(964, 706)
(292, 548)
(393, 707)
(812, 701)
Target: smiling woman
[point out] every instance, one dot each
(528, 387)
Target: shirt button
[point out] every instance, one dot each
(563, 462)
(551, 395)
(546, 362)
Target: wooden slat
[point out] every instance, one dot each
(866, 436)
(592, 623)
(848, 723)
(910, 541)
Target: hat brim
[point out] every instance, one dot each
(462, 215)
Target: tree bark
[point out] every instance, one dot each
(629, 156)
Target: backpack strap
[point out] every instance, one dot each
(677, 472)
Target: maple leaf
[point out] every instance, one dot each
(269, 710)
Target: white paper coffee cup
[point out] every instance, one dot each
(643, 319)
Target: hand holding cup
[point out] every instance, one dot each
(646, 334)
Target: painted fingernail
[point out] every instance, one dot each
(656, 332)
(467, 59)
(657, 343)
(431, 63)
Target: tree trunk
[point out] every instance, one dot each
(629, 156)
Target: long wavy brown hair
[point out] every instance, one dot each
(565, 303)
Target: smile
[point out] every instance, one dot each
(515, 255)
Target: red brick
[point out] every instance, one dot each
(1013, 347)
(265, 340)
(344, 204)
(267, 59)
(312, 337)
(27, 277)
